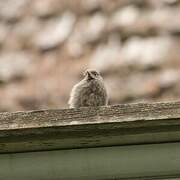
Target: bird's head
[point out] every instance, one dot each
(91, 74)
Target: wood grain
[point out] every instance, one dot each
(90, 127)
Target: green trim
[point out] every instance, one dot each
(123, 162)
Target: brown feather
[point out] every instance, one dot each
(90, 91)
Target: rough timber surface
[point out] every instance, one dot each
(90, 127)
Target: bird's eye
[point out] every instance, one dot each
(95, 73)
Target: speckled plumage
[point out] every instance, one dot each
(90, 91)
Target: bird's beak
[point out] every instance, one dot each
(90, 76)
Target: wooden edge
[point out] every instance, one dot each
(90, 127)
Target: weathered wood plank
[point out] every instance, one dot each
(90, 127)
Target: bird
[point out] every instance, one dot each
(90, 91)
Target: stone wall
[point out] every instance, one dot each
(45, 45)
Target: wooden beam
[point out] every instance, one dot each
(90, 127)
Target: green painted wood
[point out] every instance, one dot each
(90, 127)
(121, 162)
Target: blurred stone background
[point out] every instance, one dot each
(45, 45)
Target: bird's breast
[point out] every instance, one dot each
(95, 86)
